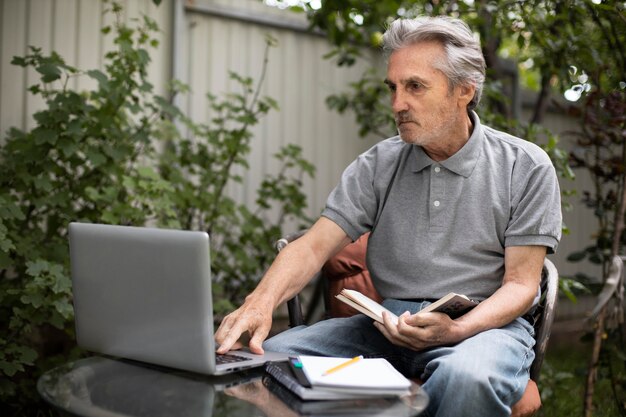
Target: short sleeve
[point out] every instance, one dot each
(353, 203)
(357, 201)
(536, 206)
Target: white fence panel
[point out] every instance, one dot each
(217, 37)
(297, 77)
(73, 29)
(210, 38)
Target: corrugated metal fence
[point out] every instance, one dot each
(201, 41)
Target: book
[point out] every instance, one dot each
(365, 305)
(357, 406)
(452, 304)
(371, 376)
(282, 373)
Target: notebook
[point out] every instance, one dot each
(374, 376)
(357, 407)
(145, 294)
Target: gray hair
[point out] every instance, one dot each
(464, 62)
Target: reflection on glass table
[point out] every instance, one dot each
(103, 387)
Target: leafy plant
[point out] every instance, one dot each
(116, 154)
(602, 151)
(201, 165)
(563, 380)
(76, 164)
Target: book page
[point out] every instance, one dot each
(451, 304)
(369, 304)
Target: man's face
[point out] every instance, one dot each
(427, 112)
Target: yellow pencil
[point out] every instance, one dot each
(343, 365)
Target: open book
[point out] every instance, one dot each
(454, 305)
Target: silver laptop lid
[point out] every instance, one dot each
(144, 294)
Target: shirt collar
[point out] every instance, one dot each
(462, 162)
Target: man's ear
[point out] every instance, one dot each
(466, 94)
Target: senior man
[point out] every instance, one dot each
(452, 205)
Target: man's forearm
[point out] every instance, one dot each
(298, 262)
(521, 279)
(509, 302)
(519, 287)
(424, 330)
(292, 269)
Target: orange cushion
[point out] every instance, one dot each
(347, 262)
(530, 402)
(347, 269)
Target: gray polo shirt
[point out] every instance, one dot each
(444, 225)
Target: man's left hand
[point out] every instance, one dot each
(420, 331)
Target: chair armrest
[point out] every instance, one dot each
(284, 241)
(294, 306)
(295, 312)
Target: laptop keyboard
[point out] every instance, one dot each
(230, 358)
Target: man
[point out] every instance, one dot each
(452, 205)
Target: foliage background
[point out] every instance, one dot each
(115, 154)
(573, 46)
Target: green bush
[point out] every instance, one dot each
(116, 154)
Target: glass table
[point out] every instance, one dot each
(104, 387)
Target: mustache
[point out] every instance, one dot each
(404, 117)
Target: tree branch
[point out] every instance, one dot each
(541, 105)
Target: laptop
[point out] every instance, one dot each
(145, 294)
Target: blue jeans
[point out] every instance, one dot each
(480, 376)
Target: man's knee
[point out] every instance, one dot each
(472, 384)
(334, 337)
(284, 342)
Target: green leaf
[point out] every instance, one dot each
(96, 157)
(577, 256)
(18, 60)
(101, 77)
(27, 355)
(35, 268)
(43, 184)
(146, 87)
(50, 72)
(42, 136)
(147, 172)
(10, 368)
(67, 146)
(36, 300)
(6, 244)
(5, 260)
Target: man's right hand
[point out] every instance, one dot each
(252, 317)
(289, 273)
